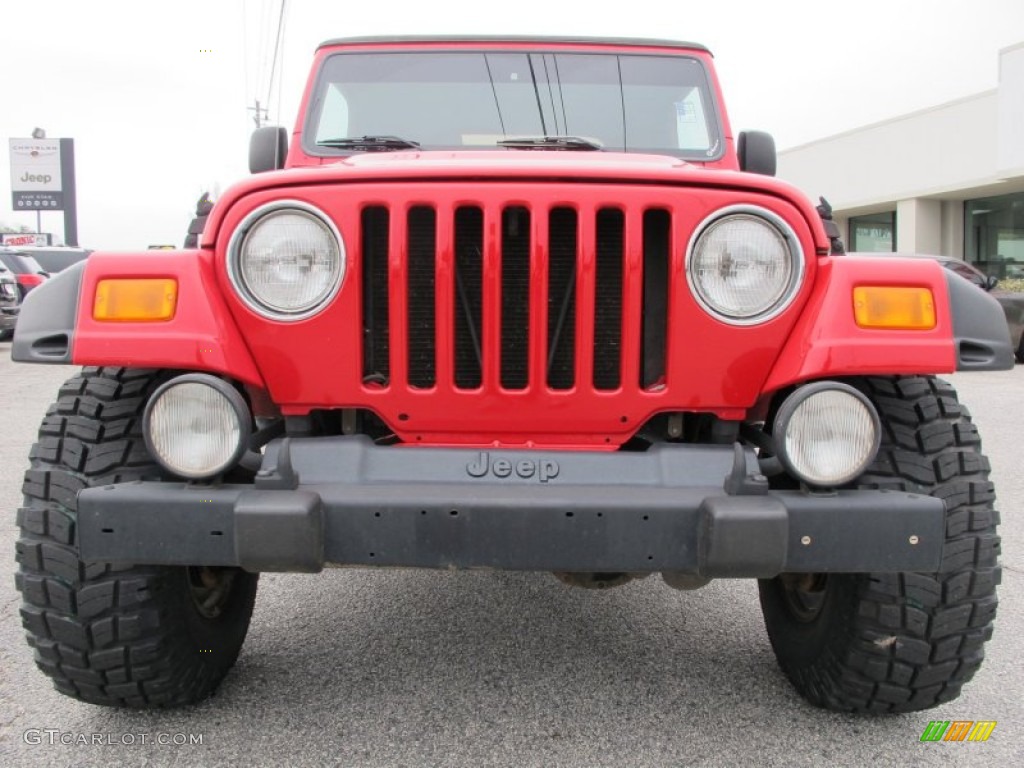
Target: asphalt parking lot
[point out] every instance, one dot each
(407, 668)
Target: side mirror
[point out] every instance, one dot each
(756, 150)
(991, 281)
(268, 148)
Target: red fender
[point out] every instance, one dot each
(201, 336)
(826, 341)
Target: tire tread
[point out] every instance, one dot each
(911, 640)
(104, 634)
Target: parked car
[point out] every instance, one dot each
(1011, 302)
(26, 269)
(56, 257)
(1013, 307)
(10, 303)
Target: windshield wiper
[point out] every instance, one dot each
(552, 142)
(370, 143)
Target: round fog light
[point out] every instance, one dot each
(827, 433)
(196, 426)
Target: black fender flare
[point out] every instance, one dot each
(980, 333)
(46, 323)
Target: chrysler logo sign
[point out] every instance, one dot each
(36, 178)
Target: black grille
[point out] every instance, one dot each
(515, 297)
(422, 244)
(418, 230)
(562, 239)
(376, 363)
(469, 239)
(608, 299)
(657, 225)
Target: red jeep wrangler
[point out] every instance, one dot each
(511, 303)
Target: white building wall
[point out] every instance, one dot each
(919, 226)
(935, 151)
(922, 165)
(952, 238)
(1010, 129)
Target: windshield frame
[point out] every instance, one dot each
(717, 132)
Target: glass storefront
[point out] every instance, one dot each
(994, 234)
(874, 233)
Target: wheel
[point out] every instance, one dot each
(7, 335)
(900, 642)
(136, 636)
(1019, 354)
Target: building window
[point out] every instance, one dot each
(873, 233)
(994, 234)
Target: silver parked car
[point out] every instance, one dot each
(54, 258)
(10, 303)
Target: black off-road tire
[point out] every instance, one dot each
(135, 636)
(900, 642)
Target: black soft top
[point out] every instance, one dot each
(525, 39)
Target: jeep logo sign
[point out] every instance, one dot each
(36, 177)
(42, 178)
(543, 469)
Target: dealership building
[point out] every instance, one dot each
(944, 180)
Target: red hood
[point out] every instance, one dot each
(494, 165)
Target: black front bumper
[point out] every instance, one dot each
(342, 500)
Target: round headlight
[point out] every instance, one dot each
(827, 433)
(744, 265)
(196, 426)
(286, 260)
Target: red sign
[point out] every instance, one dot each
(24, 238)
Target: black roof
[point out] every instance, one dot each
(528, 39)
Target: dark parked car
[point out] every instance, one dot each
(57, 257)
(26, 269)
(1012, 303)
(10, 303)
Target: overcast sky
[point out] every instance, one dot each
(155, 95)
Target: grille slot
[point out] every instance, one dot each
(469, 350)
(562, 242)
(422, 249)
(608, 299)
(376, 330)
(515, 297)
(657, 228)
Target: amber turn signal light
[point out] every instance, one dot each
(894, 307)
(135, 300)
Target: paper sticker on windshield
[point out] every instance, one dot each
(685, 112)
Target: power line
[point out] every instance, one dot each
(245, 49)
(280, 77)
(261, 110)
(262, 43)
(273, 60)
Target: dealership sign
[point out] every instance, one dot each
(36, 175)
(24, 238)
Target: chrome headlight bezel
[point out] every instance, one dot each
(794, 252)
(784, 417)
(232, 398)
(236, 252)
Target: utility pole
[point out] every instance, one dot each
(260, 113)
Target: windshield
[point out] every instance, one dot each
(474, 100)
